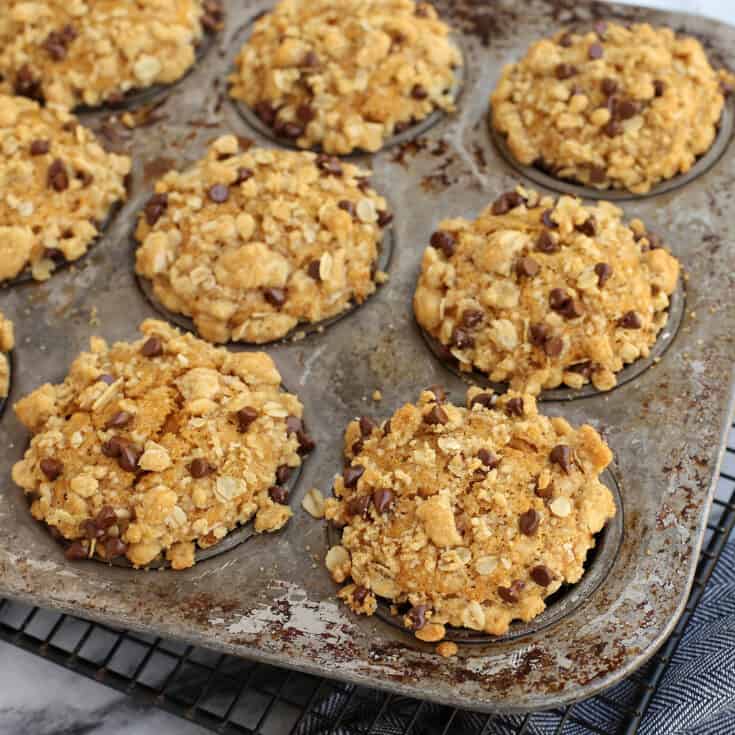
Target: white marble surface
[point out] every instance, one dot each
(39, 698)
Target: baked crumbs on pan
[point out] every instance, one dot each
(7, 342)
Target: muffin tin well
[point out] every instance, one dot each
(271, 599)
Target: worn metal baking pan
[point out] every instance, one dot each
(270, 598)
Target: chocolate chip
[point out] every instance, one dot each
(266, 112)
(483, 399)
(588, 227)
(359, 594)
(52, 468)
(75, 551)
(547, 220)
(348, 207)
(542, 575)
(245, 417)
(511, 594)
(418, 92)
(313, 270)
(654, 241)
(604, 272)
(528, 522)
(543, 492)
(57, 42)
(436, 416)
(291, 130)
(565, 71)
(609, 86)
(128, 459)
(106, 517)
(558, 299)
(58, 178)
(367, 426)
(155, 208)
(630, 320)
(278, 494)
(113, 447)
(306, 443)
(152, 347)
(417, 617)
(514, 407)
(283, 473)
(538, 334)
(219, 193)
(120, 419)
(200, 468)
(27, 85)
(581, 368)
(488, 459)
(329, 164)
(595, 51)
(243, 175)
(506, 202)
(294, 425)
(444, 241)
(115, 548)
(90, 530)
(352, 474)
(384, 218)
(461, 339)
(598, 174)
(561, 454)
(527, 267)
(357, 447)
(40, 147)
(305, 113)
(359, 506)
(553, 346)
(471, 318)
(275, 296)
(311, 60)
(659, 87)
(627, 109)
(613, 128)
(566, 40)
(382, 499)
(546, 243)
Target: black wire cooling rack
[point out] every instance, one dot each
(230, 695)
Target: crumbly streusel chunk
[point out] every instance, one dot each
(87, 52)
(251, 243)
(159, 445)
(346, 75)
(471, 515)
(7, 342)
(618, 108)
(57, 187)
(537, 292)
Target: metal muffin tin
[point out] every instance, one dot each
(271, 598)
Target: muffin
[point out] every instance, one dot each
(156, 447)
(59, 188)
(465, 517)
(250, 244)
(619, 107)
(538, 292)
(93, 52)
(345, 76)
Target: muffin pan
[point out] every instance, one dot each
(272, 599)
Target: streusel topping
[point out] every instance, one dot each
(538, 292)
(249, 244)
(57, 187)
(620, 107)
(158, 446)
(346, 75)
(468, 517)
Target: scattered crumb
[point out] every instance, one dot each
(381, 277)
(447, 649)
(377, 395)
